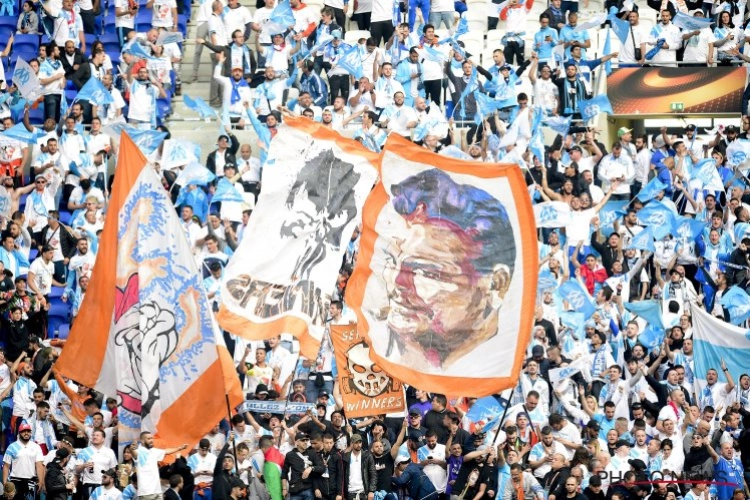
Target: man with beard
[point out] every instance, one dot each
(359, 477)
(385, 462)
(143, 95)
(10, 196)
(148, 457)
(55, 483)
(23, 463)
(108, 491)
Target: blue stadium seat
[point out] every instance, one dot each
(70, 95)
(26, 42)
(109, 21)
(69, 85)
(115, 57)
(106, 38)
(33, 254)
(54, 325)
(143, 19)
(89, 40)
(59, 308)
(65, 217)
(8, 22)
(36, 116)
(26, 55)
(110, 46)
(63, 331)
(56, 292)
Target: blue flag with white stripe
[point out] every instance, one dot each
(591, 108)
(283, 14)
(690, 23)
(351, 61)
(737, 302)
(689, 228)
(559, 124)
(643, 241)
(659, 216)
(620, 27)
(706, 172)
(716, 341)
(610, 212)
(225, 191)
(19, 133)
(649, 310)
(95, 92)
(574, 294)
(650, 190)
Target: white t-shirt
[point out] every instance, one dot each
(236, 19)
(382, 10)
(23, 459)
(578, 228)
(126, 21)
(148, 471)
(162, 17)
(43, 275)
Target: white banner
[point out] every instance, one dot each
(26, 80)
(258, 406)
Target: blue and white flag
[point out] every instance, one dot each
(689, 228)
(485, 409)
(650, 190)
(580, 365)
(135, 48)
(19, 133)
(651, 337)
(283, 15)
(178, 152)
(706, 172)
(715, 341)
(595, 22)
(26, 80)
(737, 302)
(486, 105)
(351, 61)
(591, 108)
(432, 54)
(37, 203)
(738, 151)
(166, 37)
(559, 124)
(607, 50)
(620, 27)
(575, 321)
(658, 215)
(147, 140)
(546, 281)
(579, 299)
(610, 212)
(194, 174)
(225, 191)
(552, 214)
(536, 145)
(643, 241)
(95, 92)
(199, 106)
(690, 23)
(649, 310)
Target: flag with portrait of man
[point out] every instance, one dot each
(446, 279)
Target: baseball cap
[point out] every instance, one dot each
(731, 128)
(623, 130)
(261, 389)
(301, 435)
(637, 464)
(505, 66)
(24, 427)
(356, 438)
(236, 66)
(324, 394)
(659, 141)
(622, 442)
(223, 136)
(415, 435)
(61, 454)
(576, 148)
(593, 424)
(415, 411)
(537, 350)
(110, 472)
(336, 34)
(690, 127)
(402, 459)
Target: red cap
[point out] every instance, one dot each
(24, 427)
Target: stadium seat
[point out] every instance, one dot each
(54, 325)
(26, 42)
(107, 38)
(65, 217)
(63, 331)
(56, 292)
(89, 40)
(8, 23)
(60, 309)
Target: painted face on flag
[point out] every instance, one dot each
(449, 274)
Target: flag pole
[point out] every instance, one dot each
(234, 447)
(505, 413)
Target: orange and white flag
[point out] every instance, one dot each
(281, 276)
(445, 283)
(145, 332)
(367, 390)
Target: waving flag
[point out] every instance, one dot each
(687, 227)
(225, 191)
(643, 240)
(595, 22)
(591, 108)
(580, 365)
(361, 393)
(95, 92)
(715, 341)
(651, 190)
(310, 204)
(177, 153)
(19, 133)
(158, 348)
(26, 80)
(536, 145)
(283, 15)
(194, 174)
(706, 172)
(690, 23)
(166, 37)
(435, 55)
(351, 61)
(574, 294)
(737, 302)
(559, 124)
(135, 48)
(620, 27)
(738, 151)
(486, 105)
(547, 281)
(575, 321)
(464, 324)
(552, 214)
(659, 216)
(607, 50)
(649, 310)
(199, 106)
(485, 410)
(610, 212)
(147, 140)
(651, 337)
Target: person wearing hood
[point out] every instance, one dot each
(56, 485)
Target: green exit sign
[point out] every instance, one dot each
(676, 106)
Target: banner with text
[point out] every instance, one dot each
(258, 406)
(366, 389)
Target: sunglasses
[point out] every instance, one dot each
(40, 182)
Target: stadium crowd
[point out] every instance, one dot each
(632, 413)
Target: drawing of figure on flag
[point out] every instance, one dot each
(298, 234)
(454, 251)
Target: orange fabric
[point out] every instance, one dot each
(192, 415)
(405, 150)
(251, 330)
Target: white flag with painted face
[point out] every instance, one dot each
(26, 80)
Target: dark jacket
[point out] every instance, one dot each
(16, 337)
(417, 482)
(369, 476)
(294, 463)
(54, 482)
(220, 488)
(67, 241)
(332, 485)
(79, 76)
(229, 155)
(248, 59)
